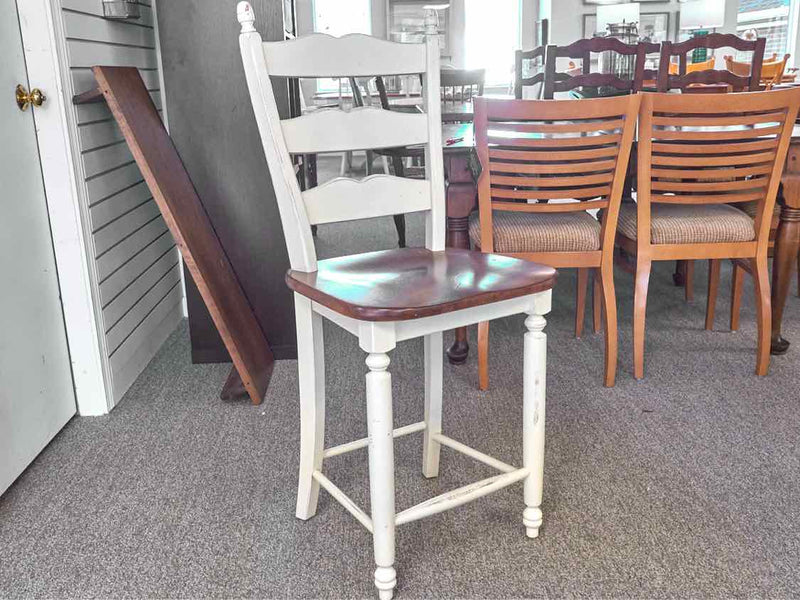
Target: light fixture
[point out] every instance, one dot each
(120, 9)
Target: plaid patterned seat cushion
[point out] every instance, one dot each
(750, 208)
(690, 224)
(540, 232)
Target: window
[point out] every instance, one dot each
(771, 19)
(492, 35)
(338, 18)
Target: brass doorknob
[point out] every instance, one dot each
(25, 98)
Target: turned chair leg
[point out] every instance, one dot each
(610, 315)
(434, 343)
(381, 471)
(580, 300)
(483, 356)
(533, 415)
(713, 290)
(597, 299)
(311, 376)
(763, 314)
(639, 312)
(737, 288)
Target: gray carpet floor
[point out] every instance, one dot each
(684, 484)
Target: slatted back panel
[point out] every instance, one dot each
(528, 70)
(713, 41)
(696, 149)
(538, 154)
(333, 130)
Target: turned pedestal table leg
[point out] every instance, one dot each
(461, 195)
(787, 243)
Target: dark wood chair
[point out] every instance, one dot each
(459, 87)
(713, 41)
(579, 150)
(534, 60)
(582, 50)
(696, 157)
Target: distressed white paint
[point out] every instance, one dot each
(347, 199)
(354, 55)
(361, 128)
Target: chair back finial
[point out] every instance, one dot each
(245, 16)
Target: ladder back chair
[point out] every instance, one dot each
(696, 157)
(686, 76)
(530, 62)
(386, 297)
(537, 157)
(555, 81)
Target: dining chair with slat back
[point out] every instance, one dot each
(458, 88)
(555, 81)
(386, 297)
(697, 155)
(686, 76)
(530, 62)
(771, 71)
(545, 164)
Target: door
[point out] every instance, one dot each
(36, 392)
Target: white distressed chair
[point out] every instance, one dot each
(389, 296)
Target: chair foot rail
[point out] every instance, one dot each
(460, 496)
(471, 452)
(364, 442)
(344, 500)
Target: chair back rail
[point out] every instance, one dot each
(564, 150)
(712, 41)
(535, 58)
(583, 49)
(694, 150)
(332, 130)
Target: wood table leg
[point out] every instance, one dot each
(461, 199)
(787, 244)
(458, 237)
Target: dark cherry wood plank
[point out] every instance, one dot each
(189, 224)
(411, 283)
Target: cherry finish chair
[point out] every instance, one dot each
(687, 76)
(583, 50)
(386, 297)
(538, 156)
(534, 60)
(698, 155)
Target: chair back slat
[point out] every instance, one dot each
(695, 151)
(552, 156)
(362, 128)
(336, 130)
(346, 199)
(534, 60)
(687, 76)
(353, 55)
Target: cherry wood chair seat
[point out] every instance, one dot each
(411, 283)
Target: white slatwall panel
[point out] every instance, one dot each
(137, 261)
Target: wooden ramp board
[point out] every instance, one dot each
(158, 160)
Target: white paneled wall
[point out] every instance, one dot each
(136, 262)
